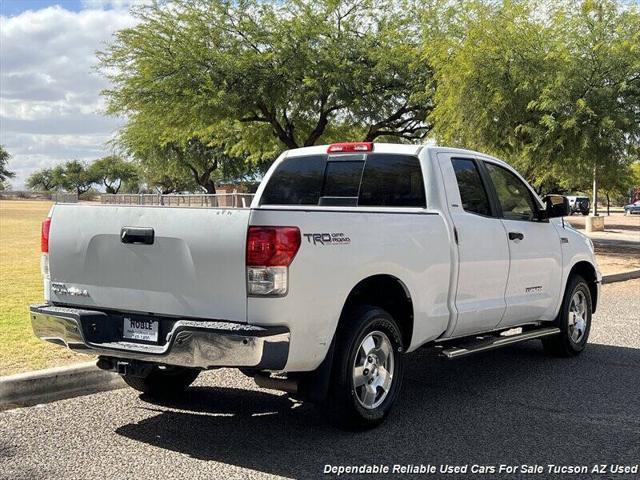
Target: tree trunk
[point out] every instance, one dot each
(608, 202)
(204, 179)
(209, 186)
(595, 191)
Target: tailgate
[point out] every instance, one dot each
(195, 266)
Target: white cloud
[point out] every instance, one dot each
(50, 104)
(103, 4)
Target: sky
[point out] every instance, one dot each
(50, 104)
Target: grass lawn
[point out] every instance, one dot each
(21, 285)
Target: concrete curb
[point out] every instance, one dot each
(43, 386)
(621, 277)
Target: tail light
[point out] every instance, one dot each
(44, 247)
(44, 238)
(348, 147)
(270, 251)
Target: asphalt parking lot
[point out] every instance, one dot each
(511, 406)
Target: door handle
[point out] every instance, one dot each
(140, 235)
(516, 236)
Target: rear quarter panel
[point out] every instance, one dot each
(410, 244)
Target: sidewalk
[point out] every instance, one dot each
(618, 247)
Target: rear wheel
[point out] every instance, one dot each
(163, 382)
(574, 320)
(367, 370)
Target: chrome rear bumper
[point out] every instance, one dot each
(187, 343)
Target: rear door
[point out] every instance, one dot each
(193, 265)
(483, 252)
(535, 272)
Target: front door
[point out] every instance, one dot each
(535, 272)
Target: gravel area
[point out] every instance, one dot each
(510, 406)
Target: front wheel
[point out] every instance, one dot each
(574, 320)
(163, 382)
(367, 370)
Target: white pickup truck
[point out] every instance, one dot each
(350, 256)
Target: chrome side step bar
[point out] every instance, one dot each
(494, 342)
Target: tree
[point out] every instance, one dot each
(5, 173)
(164, 176)
(618, 180)
(74, 176)
(113, 172)
(555, 94)
(251, 78)
(194, 156)
(42, 180)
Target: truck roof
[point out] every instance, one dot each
(407, 149)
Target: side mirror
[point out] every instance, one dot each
(556, 206)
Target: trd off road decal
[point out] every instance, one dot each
(327, 238)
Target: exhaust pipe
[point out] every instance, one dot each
(276, 383)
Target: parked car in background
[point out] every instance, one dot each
(579, 205)
(632, 208)
(350, 255)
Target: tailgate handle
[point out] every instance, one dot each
(141, 235)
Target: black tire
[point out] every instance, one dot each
(345, 409)
(163, 383)
(564, 344)
(585, 213)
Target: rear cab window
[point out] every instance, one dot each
(371, 180)
(473, 194)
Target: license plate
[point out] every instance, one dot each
(135, 329)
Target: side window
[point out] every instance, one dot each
(515, 198)
(341, 183)
(297, 181)
(472, 192)
(391, 180)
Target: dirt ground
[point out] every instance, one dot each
(618, 247)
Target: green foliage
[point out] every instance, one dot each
(251, 78)
(5, 174)
(74, 176)
(43, 180)
(554, 90)
(635, 174)
(164, 176)
(215, 89)
(113, 172)
(204, 164)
